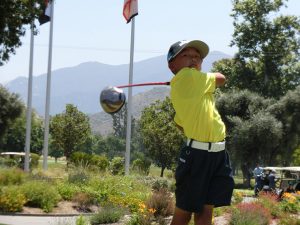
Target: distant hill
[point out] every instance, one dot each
(81, 85)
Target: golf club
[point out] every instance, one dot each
(112, 98)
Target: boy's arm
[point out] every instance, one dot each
(220, 79)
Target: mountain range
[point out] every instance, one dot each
(81, 86)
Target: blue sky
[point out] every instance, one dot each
(95, 30)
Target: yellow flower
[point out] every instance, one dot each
(151, 210)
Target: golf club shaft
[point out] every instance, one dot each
(144, 84)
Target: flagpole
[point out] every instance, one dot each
(47, 107)
(129, 104)
(29, 102)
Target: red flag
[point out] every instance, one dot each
(130, 9)
(46, 15)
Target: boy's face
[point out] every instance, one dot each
(188, 57)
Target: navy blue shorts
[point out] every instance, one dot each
(203, 178)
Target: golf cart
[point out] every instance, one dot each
(286, 179)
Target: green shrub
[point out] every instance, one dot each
(67, 190)
(117, 166)
(142, 166)
(100, 162)
(79, 176)
(11, 199)
(289, 203)
(237, 197)
(12, 176)
(81, 221)
(289, 220)
(250, 214)
(41, 194)
(270, 202)
(160, 183)
(34, 160)
(108, 214)
(81, 159)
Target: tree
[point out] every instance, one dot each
(161, 137)
(70, 129)
(287, 111)
(14, 15)
(120, 122)
(11, 108)
(253, 134)
(14, 137)
(268, 58)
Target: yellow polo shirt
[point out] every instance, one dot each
(194, 104)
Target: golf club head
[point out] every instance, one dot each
(112, 99)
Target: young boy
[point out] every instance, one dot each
(203, 175)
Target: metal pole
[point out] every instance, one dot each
(29, 102)
(129, 104)
(47, 107)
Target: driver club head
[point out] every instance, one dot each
(112, 99)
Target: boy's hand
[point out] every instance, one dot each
(220, 79)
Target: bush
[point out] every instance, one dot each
(237, 197)
(84, 201)
(108, 214)
(79, 176)
(11, 199)
(41, 194)
(160, 183)
(142, 166)
(269, 201)
(117, 166)
(67, 190)
(80, 159)
(34, 161)
(250, 214)
(161, 203)
(12, 176)
(100, 162)
(289, 203)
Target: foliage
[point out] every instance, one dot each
(14, 15)
(161, 137)
(79, 177)
(67, 190)
(84, 200)
(288, 220)
(144, 216)
(34, 160)
(81, 220)
(115, 146)
(161, 203)
(270, 201)
(108, 214)
(41, 194)
(11, 107)
(237, 197)
(11, 199)
(96, 162)
(250, 214)
(287, 111)
(117, 166)
(142, 165)
(268, 55)
(296, 157)
(290, 203)
(70, 129)
(13, 176)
